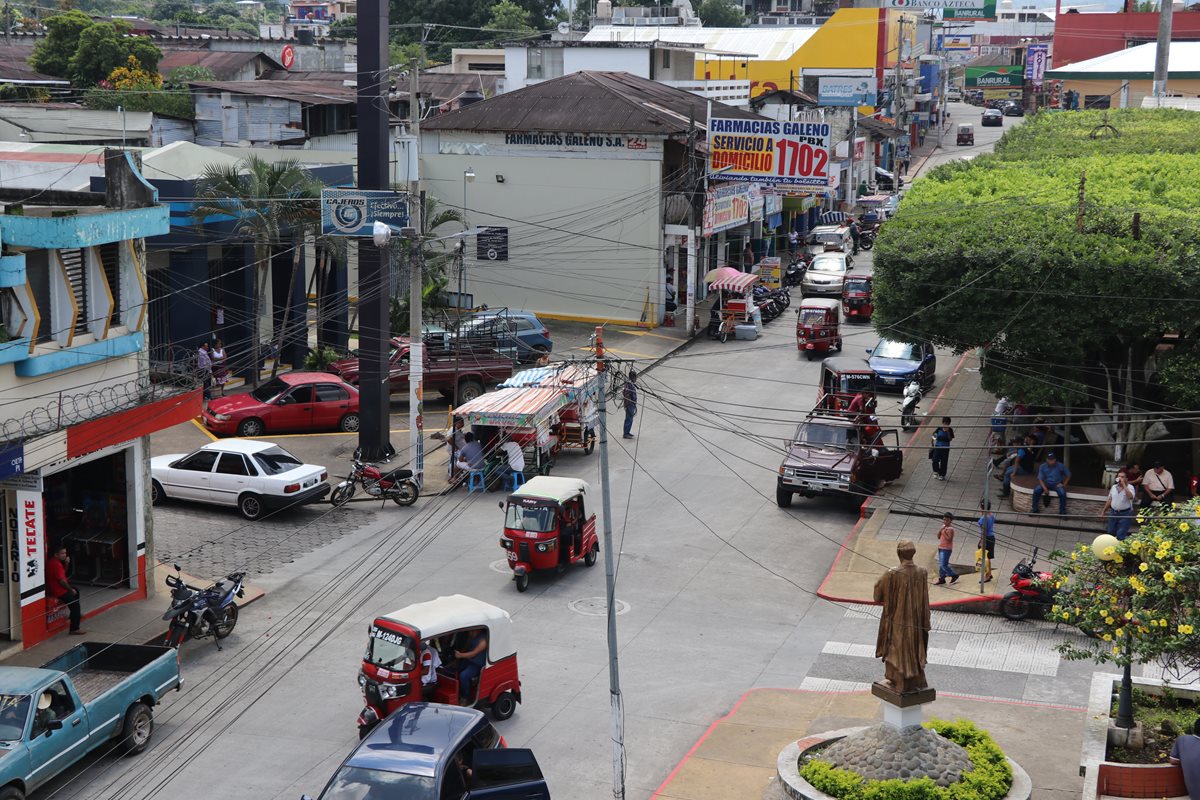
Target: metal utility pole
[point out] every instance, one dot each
(416, 283)
(373, 327)
(985, 566)
(1162, 53)
(614, 681)
(689, 275)
(850, 187)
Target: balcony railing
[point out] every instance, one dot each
(735, 93)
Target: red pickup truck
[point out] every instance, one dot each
(472, 369)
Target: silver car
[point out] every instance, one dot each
(825, 275)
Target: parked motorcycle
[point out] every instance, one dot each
(797, 266)
(866, 240)
(908, 404)
(199, 613)
(396, 485)
(1031, 588)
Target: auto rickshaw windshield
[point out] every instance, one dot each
(812, 316)
(857, 285)
(858, 382)
(532, 517)
(390, 649)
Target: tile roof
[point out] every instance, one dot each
(224, 65)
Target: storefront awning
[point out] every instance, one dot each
(735, 283)
(834, 217)
(515, 407)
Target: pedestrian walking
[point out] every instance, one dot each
(220, 366)
(945, 547)
(1053, 476)
(204, 369)
(855, 234)
(60, 589)
(987, 533)
(629, 399)
(940, 452)
(1186, 753)
(1119, 506)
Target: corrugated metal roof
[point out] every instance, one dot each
(71, 123)
(14, 68)
(1134, 62)
(767, 44)
(611, 102)
(308, 92)
(224, 65)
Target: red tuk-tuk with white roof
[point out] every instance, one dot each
(410, 657)
(547, 527)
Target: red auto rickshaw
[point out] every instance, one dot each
(842, 379)
(547, 527)
(856, 297)
(410, 657)
(818, 326)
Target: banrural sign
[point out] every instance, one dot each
(995, 77)
(770, 152)
(952, 13)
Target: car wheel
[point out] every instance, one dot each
(157, 495)
(590, 558)
(504, 707)
(251, 427)
(783, 498)
(138, 728)
(11, 793)
(251, 506)
(522, 582)
(350, 423)
(468, 390)
(226, 621)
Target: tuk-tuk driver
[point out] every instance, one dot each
(570, 532)
(470, 662)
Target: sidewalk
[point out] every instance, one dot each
(736, 756)
(912, 508)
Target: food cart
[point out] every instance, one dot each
(580, 416)
(736, 301)
(526, 415)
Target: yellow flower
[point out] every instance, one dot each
(1135, 547)
(1074, 555)
(1183, 526)
(1107, 637)
(1178, 559)
(1119, 632)
(1143, 566)
(1140, 519)
(1162, 623)
(1076, 609)
(1116, 651)
(1108, 551)
(1065, 615)
(1128, 615)
(1108, 620)
(1169, 577)
(1186, 629)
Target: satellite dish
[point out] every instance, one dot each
(564, 28)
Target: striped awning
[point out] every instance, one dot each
(735, 283)
(562, 376)
(834, 217)
(519, 407)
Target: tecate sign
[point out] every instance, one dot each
(841, 91)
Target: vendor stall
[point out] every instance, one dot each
(579, 417)
(526, 415)
(735, 306)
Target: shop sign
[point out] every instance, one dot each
(30, 534)
(956, 13)
(770, 152)
(947, 4)
(1005, 76)
(772, 203)
(756, 203)
(1036, 56)
(29, 482)
(726, 207)
(1001, 94)
(492, 244)
(846, 91)
(12, 461)
(860, 149)
(352, 212)
(953, 42)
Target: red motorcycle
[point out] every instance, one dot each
(1032, 588)
(396, 485)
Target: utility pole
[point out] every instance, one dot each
(689, 276)
(614, 681)
(850, 187)
(1162, 52)
(373, 327)
(416, 311)
(985, 505)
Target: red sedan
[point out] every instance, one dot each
(296, 401)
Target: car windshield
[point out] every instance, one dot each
(901, 350)
(824, 437)
(528, 514)
(358, 783)
(827, 265)
(14, 711)
(269, 390)
(276, 460)
(812, 316)
(390, 649)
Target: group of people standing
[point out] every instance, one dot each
(212, 367)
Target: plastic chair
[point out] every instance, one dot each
(518, 478)
(475, 481)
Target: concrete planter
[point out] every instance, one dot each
(1103, 777)
(787, 766)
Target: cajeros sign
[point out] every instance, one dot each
(1011, 76)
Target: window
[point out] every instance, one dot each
(276, 460)
(486, 738)
(110, 262)
(232, 464)
(666, 59)
(14, 711)
(61, 706)
(544, 63)
(300, 394)
(900, 350)
(269, 390)
(504, 768)
(390, 649)
(360, 783)
(199, 461)
(532, 518)
(331, 393)
(76, 270)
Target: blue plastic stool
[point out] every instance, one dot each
(475, 482)
(518, 478)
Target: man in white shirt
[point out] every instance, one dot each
(430, 661)
(1158, 486)
(1119, 506)
(516, 458)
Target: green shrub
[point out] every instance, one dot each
(317, 360)
(989, 778)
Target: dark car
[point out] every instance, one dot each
(1013, 109)
(518, 334)
(428, 751)
(896, 363)
(992, 118)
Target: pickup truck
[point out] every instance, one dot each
(93, 695)
(831, 454)
(474, 369)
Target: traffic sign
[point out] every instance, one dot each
(351, 212)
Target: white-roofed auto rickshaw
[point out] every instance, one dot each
(547, 526)
(410, 657)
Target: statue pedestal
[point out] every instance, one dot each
(902, 711)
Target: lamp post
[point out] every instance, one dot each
(468, 177)
(121, 111)
(1100, 546)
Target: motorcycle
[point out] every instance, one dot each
(199, 613)
(866, 240)
(396, 485)
(1030, 588)
(908, 404)
(794, 274)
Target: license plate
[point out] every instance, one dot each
(308, 483)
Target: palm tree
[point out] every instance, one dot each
(272, 203)
(437, 258)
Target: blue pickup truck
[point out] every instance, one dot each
(93, 695)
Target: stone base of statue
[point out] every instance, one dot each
(902, 709)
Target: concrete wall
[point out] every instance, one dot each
(635, 61)
(1137, 90)
(585, 233)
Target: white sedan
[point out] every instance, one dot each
(256, 477)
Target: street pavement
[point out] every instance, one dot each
(716, 589)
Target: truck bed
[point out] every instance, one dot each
(96, 667)
(91, 683)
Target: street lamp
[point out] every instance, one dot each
(468, 177)
(1104, 548)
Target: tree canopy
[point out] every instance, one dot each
(510, 19)
(85, 51)
(721, 14)
(408, 17)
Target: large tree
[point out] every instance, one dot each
(52, 55)
(408, 18)
(721, 14)
(509, 19)
(85, 51)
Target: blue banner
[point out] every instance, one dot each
(12, 462)
(352, 212)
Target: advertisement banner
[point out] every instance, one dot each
(352, 212)
(944, 4)
(953, 13)
(955, 42)
(770, 152)
(30, 528)
(1036, 56)
(726, 207)
(847, 91)
(1001, 77)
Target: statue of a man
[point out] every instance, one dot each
(904, 624)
